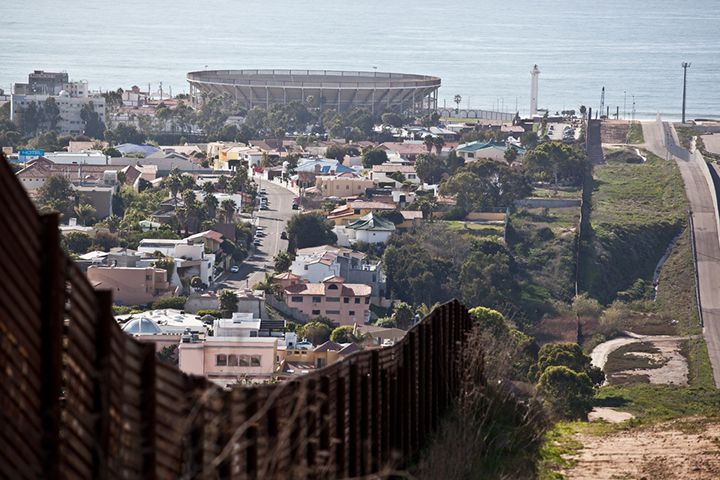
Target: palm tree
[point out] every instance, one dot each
(439, 143)
(228, 208)
(457, 100)
(429, 142)
(208, 188)
(174, 183)
(84, 211)
(211, 204)
(222, 183)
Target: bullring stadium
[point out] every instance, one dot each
(340, 90)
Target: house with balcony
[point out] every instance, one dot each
(343, 303)
(314, 264)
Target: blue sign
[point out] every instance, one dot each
(31, 153)
(27, 155)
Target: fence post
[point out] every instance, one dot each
(101, 400)
(354, 444)
(376, 413)
(340, 406)
(326, 419)
(52, 290)
(148, 408)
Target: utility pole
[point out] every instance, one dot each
(624, 104)
(685, 66)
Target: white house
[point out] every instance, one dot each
(368, 229)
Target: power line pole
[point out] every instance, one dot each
(685, 66)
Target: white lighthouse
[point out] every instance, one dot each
(535, 72)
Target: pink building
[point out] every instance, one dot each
(227, 359)
(130, 285)
(343, 303)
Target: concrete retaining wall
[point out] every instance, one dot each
(548, 202)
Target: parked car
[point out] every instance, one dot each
(257, 243)
(234, 269)
(260, 233)
(283, 235)
(264, 207)
(295, 206)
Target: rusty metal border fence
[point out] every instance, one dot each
(80, 399)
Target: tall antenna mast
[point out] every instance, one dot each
(602, 101)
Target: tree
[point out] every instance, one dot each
(228, 303)
(57, 194)
(438, 143)
(429, 168)
(84, 212)
(210, 204)
(490, 321)
(167, 264)
(228, 208)
(583, 110)
(529, 140)
(555, 161)
(344, 334)
(373, 156)
(51, 113)
(457, 101)
(568, 355)
(392, 120)
(77, 242)
(511, 154)
(428, 141)
(386, 322)
(309, 230)
(282, 260)
(94, 127)
(403, 315)
(315, 332)
(125, 134)
(336, 152)
(567, 392)
(485, 184)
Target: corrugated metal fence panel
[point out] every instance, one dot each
(80, 399)
(20, 333)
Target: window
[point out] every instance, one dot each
(148, 277)
(357, 300)
(332, 300)
(244, 361)
(471, 155)
(317, 299)
(367, 300)
(255, 361)
(232, 361)
(221, 360)
(332, 312)
(346, 300)
(306, 267)
(351, 313)
(332, 287)
(296, 299)
(316, 312)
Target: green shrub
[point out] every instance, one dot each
(214, 313)
(177, 303)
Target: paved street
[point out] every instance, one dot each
(273, 221)
(707, 243)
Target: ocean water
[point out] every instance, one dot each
(482, 49)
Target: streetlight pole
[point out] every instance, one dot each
(685, 66)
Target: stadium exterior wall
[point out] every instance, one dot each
(340, 90)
